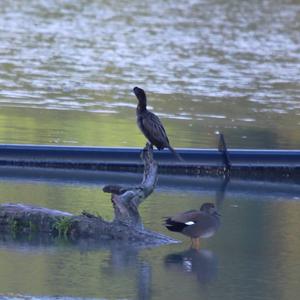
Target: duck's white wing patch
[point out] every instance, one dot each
(189, 223)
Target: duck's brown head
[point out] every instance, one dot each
(209, 208)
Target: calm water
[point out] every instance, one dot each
(255, 254)
(67, 69)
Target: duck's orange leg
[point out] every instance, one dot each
(195, 243)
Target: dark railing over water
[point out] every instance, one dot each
(242, 163)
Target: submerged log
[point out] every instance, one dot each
(127, 225)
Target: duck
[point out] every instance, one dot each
(150, 124)
(195, 224)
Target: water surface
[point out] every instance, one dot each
(67, 69)
(253, 256)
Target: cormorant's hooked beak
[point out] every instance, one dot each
(140, 94)
(135, 90)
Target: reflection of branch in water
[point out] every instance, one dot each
(123, 259)
(203, 263)
(222, 147)
(221, 192)
(144, 281)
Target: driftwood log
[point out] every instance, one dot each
(20, 219)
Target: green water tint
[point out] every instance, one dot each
(66, 73)
(253, 255)
(36, 126)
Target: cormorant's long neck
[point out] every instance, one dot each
(142, 105)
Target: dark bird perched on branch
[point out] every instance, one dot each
(195, 224)
(150, 124)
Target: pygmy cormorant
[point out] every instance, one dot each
(150, 124)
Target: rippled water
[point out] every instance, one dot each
(67, 69)
(213, 65)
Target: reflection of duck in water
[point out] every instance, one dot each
(196, 224)
(203, 263)
(150, 125)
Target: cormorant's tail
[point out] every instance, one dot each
(176, 154)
